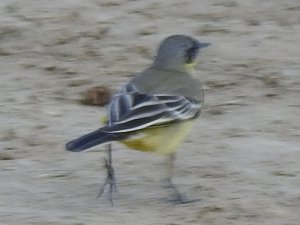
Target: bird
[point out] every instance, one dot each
(155, 110)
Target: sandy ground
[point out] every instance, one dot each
(242, 159)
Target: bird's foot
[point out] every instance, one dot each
(110, 180)
(178, 197)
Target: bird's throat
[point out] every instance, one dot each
(190, 67)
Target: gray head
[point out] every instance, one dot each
(176, 51)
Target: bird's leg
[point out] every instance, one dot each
(178, 197)
(110, 177)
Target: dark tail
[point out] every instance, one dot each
(89, 140)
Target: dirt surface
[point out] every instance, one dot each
(242, 158)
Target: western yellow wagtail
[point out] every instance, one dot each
(154, 111)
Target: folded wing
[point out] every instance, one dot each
(131, 110)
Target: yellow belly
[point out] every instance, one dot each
(162, 140)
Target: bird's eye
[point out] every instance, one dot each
(191, 54)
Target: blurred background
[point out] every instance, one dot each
(242, 158)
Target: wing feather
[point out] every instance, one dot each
(131, 110)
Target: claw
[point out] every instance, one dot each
(178, 197)
(109, 180)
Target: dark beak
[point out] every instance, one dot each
(204, 44)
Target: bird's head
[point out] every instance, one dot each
(178, 52)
